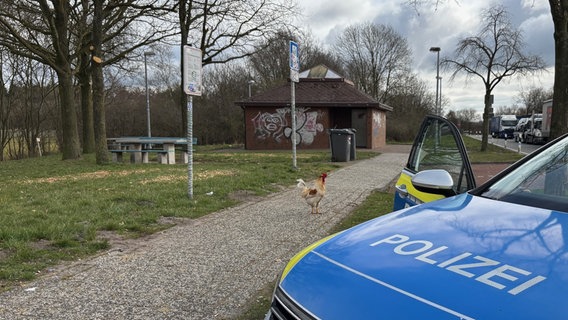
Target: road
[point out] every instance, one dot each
(510, 144)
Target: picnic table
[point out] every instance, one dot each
(139, 148)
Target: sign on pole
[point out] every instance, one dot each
(294, 77)
(294, 62)
(192, 70)
(294, 56)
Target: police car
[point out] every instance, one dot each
(498, 251)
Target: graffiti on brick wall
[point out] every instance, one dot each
(377, 123)
(275, 125)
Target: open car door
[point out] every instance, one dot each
(437, 167)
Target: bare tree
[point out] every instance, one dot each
(99, 125)
(493, 55)
(57, 33)
(411, 101)
(225, 84)
(373, 55)
(5, 110)
(468, 114)
(270, 64)
(40, 30)
(534, 98)
(27, 105)
(84, 76)
(118, 31)
(513, 109)
(227, 30)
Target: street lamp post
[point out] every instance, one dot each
(438, 79)
(146, 55)
(250, 83)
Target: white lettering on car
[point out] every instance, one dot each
(524, 286)
(422, 246)
(502, 276)
(454, 259)
(425, 256)
(500, 272)
(459, 268)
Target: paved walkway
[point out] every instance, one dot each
(206, 268)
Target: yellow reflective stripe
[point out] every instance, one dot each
(422, 196)
(302, 253)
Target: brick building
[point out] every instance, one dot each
(324, 100)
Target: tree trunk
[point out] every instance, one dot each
(487, 112)
(71, 148)
(559, 119)
(87, 113)
(102, 153)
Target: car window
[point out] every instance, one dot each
(437, 147)
(540, 182)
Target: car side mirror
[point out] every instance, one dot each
(436, 181)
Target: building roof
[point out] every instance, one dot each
(318, 87)
(320, 71)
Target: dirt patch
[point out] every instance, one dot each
(39, 245)
(116, 240)
(4, 254)
(245, 196)
(85, 176)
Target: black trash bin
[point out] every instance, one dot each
(340, 143)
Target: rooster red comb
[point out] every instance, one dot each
(323, 176)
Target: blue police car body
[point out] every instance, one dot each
(460, 258)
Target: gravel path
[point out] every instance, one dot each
(206, 268)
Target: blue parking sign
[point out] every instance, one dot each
(294, 56)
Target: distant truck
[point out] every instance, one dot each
(503, 126)
(538, 129)
(533, 130)
(521, 128)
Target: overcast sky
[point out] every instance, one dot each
(442, 27)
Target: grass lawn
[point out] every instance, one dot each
(493, 154)
(54, 210)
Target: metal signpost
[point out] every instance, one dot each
(192, 70)
(294, 77)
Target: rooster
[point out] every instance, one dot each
(314, 194)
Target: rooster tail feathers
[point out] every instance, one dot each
(301, 183)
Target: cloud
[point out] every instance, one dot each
(442, 27)
(536, 5)
(538, 36)
(327, 19)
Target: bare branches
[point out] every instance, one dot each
(374, 55)
(417, 4)
(231, 29)
(495, 53)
